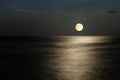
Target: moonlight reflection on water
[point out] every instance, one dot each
(73, 61)
(60, 58)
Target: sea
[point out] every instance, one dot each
(60, 58)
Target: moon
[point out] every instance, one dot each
(79, 27)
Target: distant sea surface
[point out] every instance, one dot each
(60, 58)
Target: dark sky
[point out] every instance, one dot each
(58, 17)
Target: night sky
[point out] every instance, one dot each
(58, 17)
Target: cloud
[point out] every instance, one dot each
(37, 6)
(22, 10)
(113, 11)
(26, 11)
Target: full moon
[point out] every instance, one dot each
(79, 27)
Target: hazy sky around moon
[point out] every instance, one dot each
(58, 17)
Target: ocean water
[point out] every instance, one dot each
(60, 58)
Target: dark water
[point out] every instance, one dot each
(60, 58)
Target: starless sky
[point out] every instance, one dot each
(58, 17)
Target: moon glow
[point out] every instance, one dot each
(79, 27)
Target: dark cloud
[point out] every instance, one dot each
(61, 5)
(113, 11)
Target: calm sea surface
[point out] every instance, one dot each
(60, 58)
